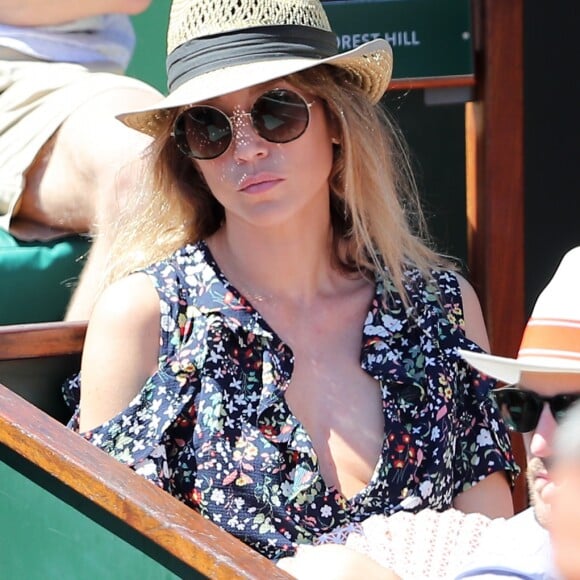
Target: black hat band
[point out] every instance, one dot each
(202, 55)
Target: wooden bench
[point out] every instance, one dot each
(33, 360)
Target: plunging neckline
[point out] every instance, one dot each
(279, 343)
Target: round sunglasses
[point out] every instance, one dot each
(205, 132)
(522, 409)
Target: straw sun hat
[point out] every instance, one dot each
(215, 47)
(551, 341)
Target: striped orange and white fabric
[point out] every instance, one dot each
(551, 339)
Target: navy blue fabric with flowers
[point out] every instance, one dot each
(212, 426)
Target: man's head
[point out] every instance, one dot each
(544, 379)
(565, 507)
(539, 442)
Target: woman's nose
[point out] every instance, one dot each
(541, 442)
(247, 143)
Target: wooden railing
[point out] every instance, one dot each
(494, 127)
(42, 340)
(35, 359)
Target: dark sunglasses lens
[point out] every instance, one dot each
(560, 404)
(521, 410)
(202, 132)
(280, 116)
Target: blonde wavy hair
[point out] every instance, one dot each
(378, 226)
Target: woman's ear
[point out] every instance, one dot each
(335, 132)
(333, 123)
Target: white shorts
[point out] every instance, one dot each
(35, 98)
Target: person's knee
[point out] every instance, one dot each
(82, 174)
(108, 155)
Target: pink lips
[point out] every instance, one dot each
(542, 479)
(259, 183)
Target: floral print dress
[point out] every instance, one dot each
(212, 426)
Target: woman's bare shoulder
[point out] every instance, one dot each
(131, 297)
(121, 348)
(472, 313)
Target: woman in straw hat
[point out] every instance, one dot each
(278, 348)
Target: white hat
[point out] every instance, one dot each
(551, 341)
(215, 47)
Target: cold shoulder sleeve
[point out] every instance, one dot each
(483, 444)
(443, 430)
(139, 435)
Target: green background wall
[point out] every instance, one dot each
(48, 532)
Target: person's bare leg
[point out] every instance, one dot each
(81, 178)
